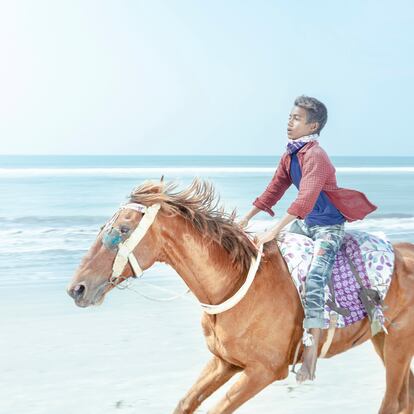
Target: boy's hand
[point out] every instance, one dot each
(267, 236)
(243, 223)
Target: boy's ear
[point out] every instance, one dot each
(315, 126)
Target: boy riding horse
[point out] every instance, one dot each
(319, 212)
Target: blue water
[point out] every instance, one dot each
(136, 161)
(52, 206)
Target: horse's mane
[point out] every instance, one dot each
(200, 205)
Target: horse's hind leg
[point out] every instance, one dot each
(397, 358)
(216, 373)
(406, 395)
(405, 399)
(411, 392)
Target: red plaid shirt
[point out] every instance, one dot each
(318, 174)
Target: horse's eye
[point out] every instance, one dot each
(124, 229)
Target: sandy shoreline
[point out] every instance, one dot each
(131, 355)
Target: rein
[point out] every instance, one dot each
(126, 249)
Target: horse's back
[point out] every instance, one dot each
(404, 259)
(399, 302)
(405, 248)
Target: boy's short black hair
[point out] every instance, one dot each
(316, 110)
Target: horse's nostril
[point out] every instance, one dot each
(78, 291)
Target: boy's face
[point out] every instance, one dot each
(297, 126)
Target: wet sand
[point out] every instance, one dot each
(131, 355)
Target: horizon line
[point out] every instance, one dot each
(183, 155)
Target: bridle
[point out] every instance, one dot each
(125, 252)
(126, 249)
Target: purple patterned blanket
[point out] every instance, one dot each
(372, 256)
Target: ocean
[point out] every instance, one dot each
(53, 205)
(56, 357)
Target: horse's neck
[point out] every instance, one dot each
(206, 269)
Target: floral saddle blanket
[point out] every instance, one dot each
(361, 275)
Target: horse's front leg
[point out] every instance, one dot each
(216, 373)
(251, 381)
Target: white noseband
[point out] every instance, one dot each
(126, 248)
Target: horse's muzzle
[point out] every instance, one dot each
(77, 292)
(85, 295)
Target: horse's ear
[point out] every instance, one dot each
(162, 178)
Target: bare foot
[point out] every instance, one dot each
(305, 374)
(310, 356)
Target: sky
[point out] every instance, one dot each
(203, 77)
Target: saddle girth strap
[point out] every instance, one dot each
(370, 299)
(332, 303)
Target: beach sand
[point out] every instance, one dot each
(131, 355)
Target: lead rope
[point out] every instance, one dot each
(169, 299)
(126, 285)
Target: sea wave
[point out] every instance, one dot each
(81, 223)
(52, 222)
(51, 254)
(78, 236)
(160, 275)
(47, 239)
(396, 227)
(33, 172)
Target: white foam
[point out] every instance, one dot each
(25, 172)
(390, 226)
(45, 239)
(356, 170)
(403, 224)
(77, 238)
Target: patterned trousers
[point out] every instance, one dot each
(327, 242)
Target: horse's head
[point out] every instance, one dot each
(137, 236)
(125, 246)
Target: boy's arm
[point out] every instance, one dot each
(245, 220)
(273, 193)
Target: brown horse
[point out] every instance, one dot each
(258, 336)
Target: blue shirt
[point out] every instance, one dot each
(324, 213)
